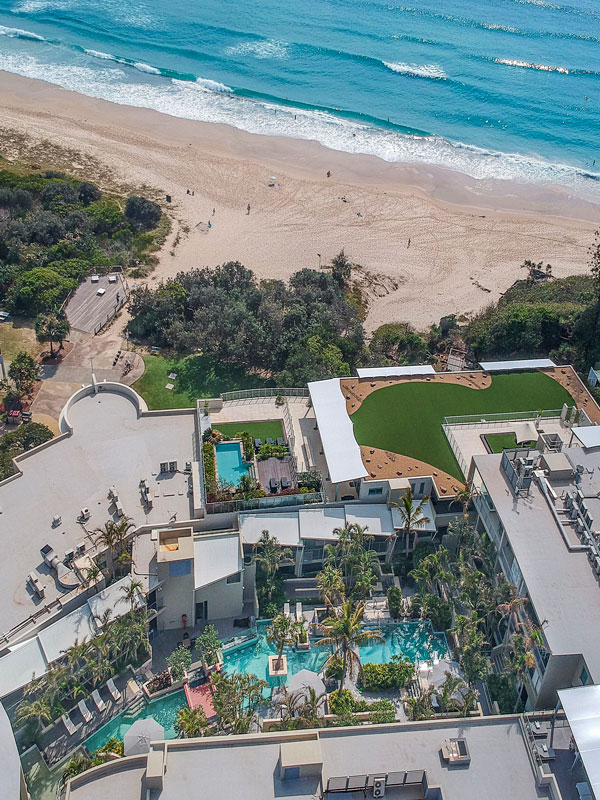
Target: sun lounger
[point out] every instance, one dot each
(273, 484)
(257, 444)
(85, 712)
(69, 724)
(285, 484)
(269, 441)
(280, 442)
(100, 704)
(113, 691)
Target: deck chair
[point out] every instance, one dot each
(69, 724)
(100, 704)
(112, 690)
(85, 712)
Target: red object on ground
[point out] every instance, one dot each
(200, 696)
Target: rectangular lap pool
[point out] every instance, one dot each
(417, 641)
(230, 464)
(164, 711)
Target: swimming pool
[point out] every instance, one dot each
(417, 641)
(230, 464)
(164, 711)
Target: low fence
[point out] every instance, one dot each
(472, 420)
(248, 394)
(262, 503)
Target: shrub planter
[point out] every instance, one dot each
(172, 687)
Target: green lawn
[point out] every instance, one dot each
(196, 377)
(504, 441)
(270, 429)
(407, 418)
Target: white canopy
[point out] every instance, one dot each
(143, 731)
(588, 435)
(394, 372)
(341, 449)
(306, 679)
(582, 707)
(525, 363)
(525, 432)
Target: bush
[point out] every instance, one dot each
(159, 682)
(422, 550)
(394, 596)
(12, 444)
(271, 451)
(311, 480)
(341, 702)
(142, 213)
(396, 674)
(210, 466)
(502, 690)
(180, 660)
(209, 644)
(345, 707)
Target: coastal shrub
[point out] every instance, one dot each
(271, 451)
(142, 213)
(393, 675)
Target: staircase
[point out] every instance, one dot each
(134, 709)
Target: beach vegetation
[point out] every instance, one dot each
(54, 230)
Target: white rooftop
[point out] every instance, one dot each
(24, 663)
(62, 634)
(110, 445)
(582, 707)
(319, 523)
(282, 524)
(341, 449)
(377, 517)
(525, 363)
(394, 372)
(216, 556)
(588, 435)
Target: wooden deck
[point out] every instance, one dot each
(273, 468)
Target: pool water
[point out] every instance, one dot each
(164, 711)
(414, 640)
(230, 464)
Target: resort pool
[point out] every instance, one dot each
(230, 464)
(414, 640)
(164, 711)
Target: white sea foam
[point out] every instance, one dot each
(139, 65)
(206, 85)
(510, 62)
(100, 54)
(418, 70)
(198, 101)
(146, 68)
(269, 48)
(17, 33)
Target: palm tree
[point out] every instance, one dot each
(281, 632)
(432, 572)
(37, 712)
(91, 573)
(420, 707)
(331, 585)
(113, 537)
(343, 631)
(104, 620)
(446, 694)
(464, 496)
(131, 591)
(412, 517)
(270, 556)
(310, 710)
(191, 723)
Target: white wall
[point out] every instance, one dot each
(224, 599)
(177, 596)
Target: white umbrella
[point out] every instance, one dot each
(137, 739)
(306, 679)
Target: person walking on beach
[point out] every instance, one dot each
(328, 174)
(214, 212)
(209, 225)
(408, 245)
(248, 209)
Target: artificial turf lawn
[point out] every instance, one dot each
(407, 418)
(501, 441)
(270, 429)
(196, 377)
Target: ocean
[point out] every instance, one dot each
(500, 89)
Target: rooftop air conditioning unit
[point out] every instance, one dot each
(164, 466)
(379, 788)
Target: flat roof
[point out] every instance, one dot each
(10, 765)
(394, 372)
(560, 582)
(248, 766)
(377, 517)
(320, 523)
(24, 663)
(57, 638)
(110, 445)
(588, 435)
(216, 556)
(582, 707)
(524, 363)
(341, 449)
(284, 525)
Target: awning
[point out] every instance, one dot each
(582, 707)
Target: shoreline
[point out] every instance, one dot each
(404, 224)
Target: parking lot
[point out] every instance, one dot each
(88, 311)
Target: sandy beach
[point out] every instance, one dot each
(467, 238)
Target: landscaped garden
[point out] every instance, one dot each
(197, 377)
(268, 429)
(407, 418)
(504, 441)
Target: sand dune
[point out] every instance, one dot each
(465, 237)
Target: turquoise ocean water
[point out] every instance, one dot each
(496, 89)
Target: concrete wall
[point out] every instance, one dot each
(562, 672)
(177, 596)
(224, 599)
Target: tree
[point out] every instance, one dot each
(35, 712)
(114, 537)
(179, 660)
(412, 516)
(281, 632)
(341, 268)
(343, 631)
(209, 645)
(191, 723)
(52, 327)
(236, 699)
(88, 193)
(420, 706)
(38, 290)
(270, 556)
(142, 213)
(23, 371)
(446, 695)
(331, 585)
(131, 593)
